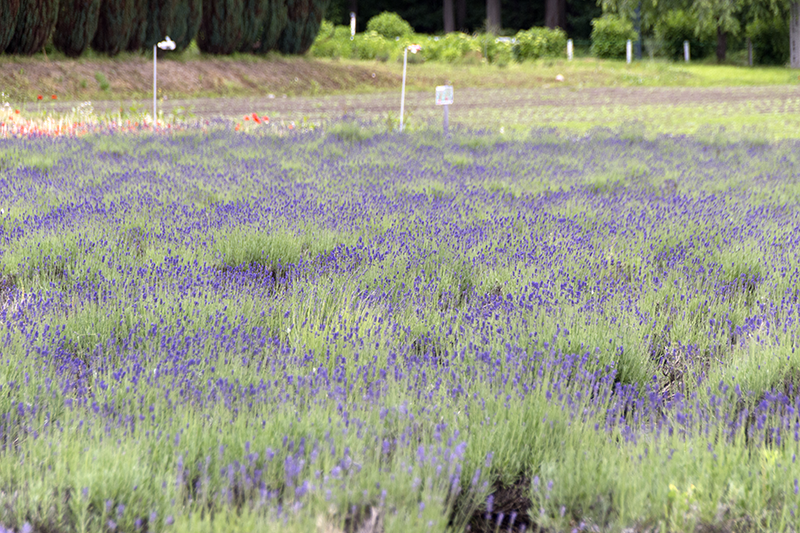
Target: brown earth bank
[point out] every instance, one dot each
(24, 79)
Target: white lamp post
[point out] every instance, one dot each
(414, 49)
(166, 44)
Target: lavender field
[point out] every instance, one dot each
(358, 331)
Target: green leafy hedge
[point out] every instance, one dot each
(609, 34)
(540, 42)
(389, 25)
(455, 47)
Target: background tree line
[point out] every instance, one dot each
(710, 25)
(113, 26)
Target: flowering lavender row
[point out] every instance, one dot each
(350, 331)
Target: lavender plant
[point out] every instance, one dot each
(336, 332)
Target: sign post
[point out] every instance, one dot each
(444, 97)
(166, 44)
(414, 49)
(628, 51)
(686, 51)
(569, 49)
(352, 25)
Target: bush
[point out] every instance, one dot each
(540, 42)
(389, 25)
(677, 26)
(496, 52)
(451, 48)
(609, 34)
(115, 24)
(770, 39)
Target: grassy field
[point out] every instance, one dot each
(351, 329)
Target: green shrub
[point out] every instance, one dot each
(372, 45)
(609, 34)
(389, 25)
(497, 53)
(677, 26)
(184, 26)
(451, 48)
(540, 42)
(770, 39)
(138, 26)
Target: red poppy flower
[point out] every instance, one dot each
(39, 97)
(54, 97)
(265, 119)
(246, 117)
(16, 111)
(255, 117)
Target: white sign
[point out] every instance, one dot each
(444, 95)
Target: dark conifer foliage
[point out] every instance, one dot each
(75, 26)
(115, 26)
(138, 26)
(35, 22)
(304, 19)
(160, 18)
(186, 23)
(273, 26)
(221, 29)
(255, 14)
(8, 21)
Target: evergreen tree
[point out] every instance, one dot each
(138, 26)
(8, 22)
(256, 12)
(304, 19)
(160, 18)
(75, 26)
(35, 22)
(272, 27)
(114, 26)
(221, 29)
(188, 17)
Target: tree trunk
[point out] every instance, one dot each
(794, 35)
(493, 16)
(461, 15)
(449, 20)
(555, 14)
(722, 44)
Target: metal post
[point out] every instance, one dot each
(154, 84)
(628, 51)
(569, 49)
(403, 91)
(749, 52)
(686, 51)
(446, 120)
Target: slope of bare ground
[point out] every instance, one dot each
(131, 77)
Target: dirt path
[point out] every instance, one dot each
(757, 99)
